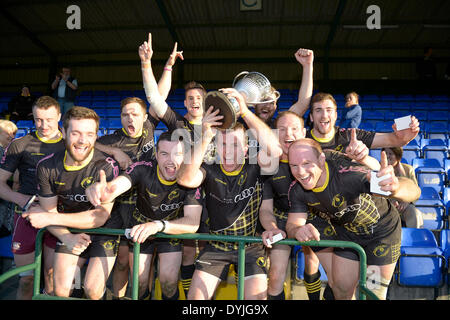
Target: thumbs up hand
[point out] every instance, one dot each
(356, 149)
(391, 183)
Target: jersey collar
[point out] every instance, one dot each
(76, 168)
(325, 185)
(162, 180)
(50, 141)
(323, 140)
(126, 133)
(232, 173)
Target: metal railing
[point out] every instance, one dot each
(241, 240)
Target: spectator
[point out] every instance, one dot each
(426, 67)
(411, 216)
(65, 88)
(7, 133)
(351, 116)
(20, 106)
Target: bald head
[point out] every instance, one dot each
(307, 163)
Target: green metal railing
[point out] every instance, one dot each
(241, 240)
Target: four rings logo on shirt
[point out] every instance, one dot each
(77, 197)
(170, 207)
(246, 193)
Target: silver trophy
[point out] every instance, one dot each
(254, 87)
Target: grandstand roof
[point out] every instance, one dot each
(38, 27)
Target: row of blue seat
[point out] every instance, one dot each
(422, 263)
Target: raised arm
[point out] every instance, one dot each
(398, 138)
(267, 140)
(165, 82)
(306, 58)
(401, 188)
(157, 102)
(190, 174)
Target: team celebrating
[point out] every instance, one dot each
(280, 179)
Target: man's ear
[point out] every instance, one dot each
(322, 160)
(63, 131)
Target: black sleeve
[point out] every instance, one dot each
(268, 190)
(296, 201)
(173, 120)
(43, 178)
(194, 197)
(12, 156)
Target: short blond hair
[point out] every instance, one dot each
(6, 125)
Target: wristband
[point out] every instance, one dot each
(161, 225)
(145, 65)
(243, 115)
(167, 69)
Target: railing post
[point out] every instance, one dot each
(136, 252)
(38, 262)
(241, 270)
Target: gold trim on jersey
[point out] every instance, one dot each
(76, 168)
(232, 173)
(51, 140)
(284, 161)
(325, 185)
(162, 180)
(137, 136)
(322, 140)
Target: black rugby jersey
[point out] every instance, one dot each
(142, 147)
(233, 200)
(277, 187)
(342, 138)
(158, 199)
(345, 197)
(69, 183)
(24, 154)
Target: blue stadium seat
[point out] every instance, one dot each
(157, 134)
(421, 115)
(423, 97)
(435, 130)
(102, 113)
(429, 173)
(429, 193)
(366, 125)
(421, 262)
(384, 126)
(375, 153)
(446, 199)
(445, 246)
(372, 115)
(25, 124)
(405, 97)
(21, 132)
(437, 116)
(434, 149)
(114, 124)
(300, 265)
(433, 213)
(5, 247)
(411, 151)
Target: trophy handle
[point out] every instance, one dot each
(237, 76)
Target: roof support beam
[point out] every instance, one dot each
(331, 34)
